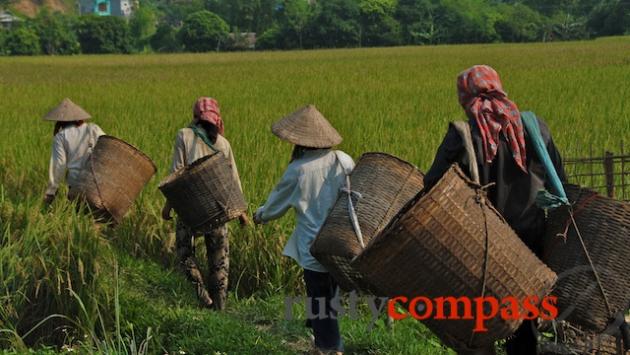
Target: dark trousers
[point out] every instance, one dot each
(524, 341)
(321, 317)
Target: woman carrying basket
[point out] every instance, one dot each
(310, 186)
(72, 144)
(204, 137)
(506, 161)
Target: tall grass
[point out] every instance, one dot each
(397, 100)
(48, 260)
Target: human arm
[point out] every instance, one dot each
(449, 152)
(179, 153)
(56, 169)
(283, 197)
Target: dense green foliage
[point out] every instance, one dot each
(334, 24)
(56, 33)
(104, 34)
(395, 100)
(165, 39)
(610, 17)
(378, 25)
(203, 31)
(3, 35)
(248, 15)
(519, 23)
(142, 25)
(22, 41)
(172, 26)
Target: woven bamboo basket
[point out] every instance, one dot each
(386, 184)
(112, 178)
(604, 224)
(436, 247)
(205, 194)
(571, 339)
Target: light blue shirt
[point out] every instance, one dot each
(310, 186)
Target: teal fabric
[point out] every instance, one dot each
(199, 132)
(544, 199)
(548, 201)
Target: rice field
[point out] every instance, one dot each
(395, 100)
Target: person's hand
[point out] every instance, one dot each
(48, 199)
(257, 219)
(166, 212)
(244, 220)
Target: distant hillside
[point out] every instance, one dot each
(31, 7)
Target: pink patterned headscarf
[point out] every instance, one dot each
(207, 109)
(482, 97)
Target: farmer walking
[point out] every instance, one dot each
(310, 186)
(203, 137)
(505, 158)
(73, 141)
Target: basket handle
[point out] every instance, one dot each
(463, 129)
(354, 219)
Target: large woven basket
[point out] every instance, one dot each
(436, 247)
(604, 224)
(386, 184)
(112, 178)
(205, 194)
(571, 339)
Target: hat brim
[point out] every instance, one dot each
(307, 127)
(67, 111)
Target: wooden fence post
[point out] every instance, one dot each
(609, 170)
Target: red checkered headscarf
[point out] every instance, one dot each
(207, 109)
(482, 97)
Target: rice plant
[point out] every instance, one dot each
(398, 100)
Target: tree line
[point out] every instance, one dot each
(212, 25)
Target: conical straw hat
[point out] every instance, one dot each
(67, 111)
(307, 127)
